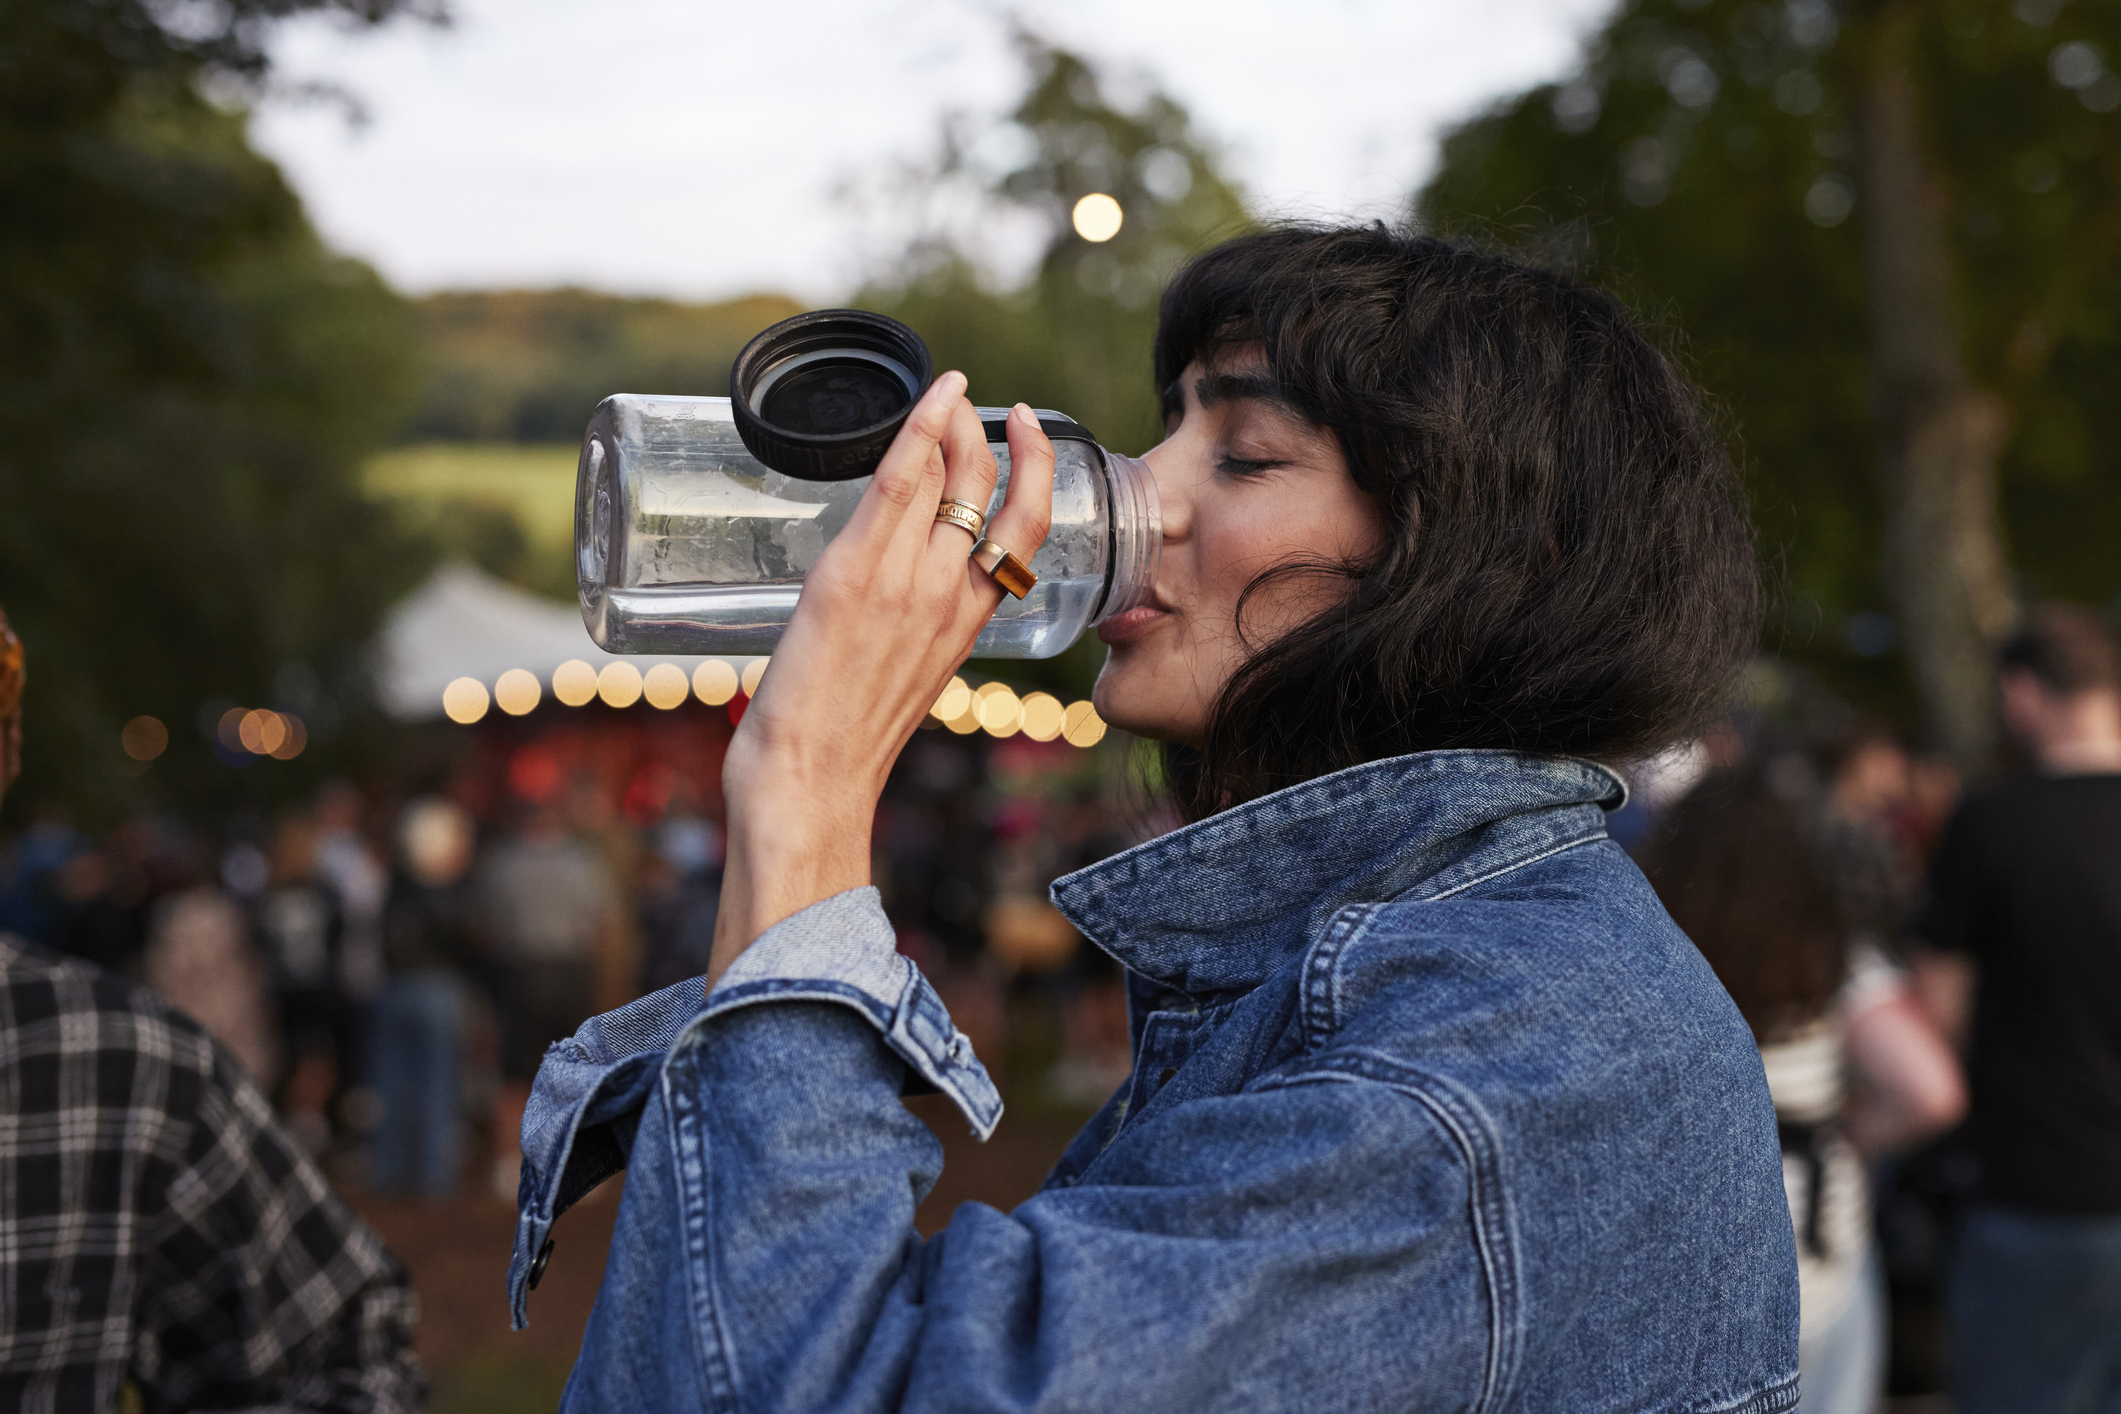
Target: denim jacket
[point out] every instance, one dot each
(1433, 1108)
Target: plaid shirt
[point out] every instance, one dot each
(156, 1225)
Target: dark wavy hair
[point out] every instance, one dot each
(1568, 565)
(1738, 871)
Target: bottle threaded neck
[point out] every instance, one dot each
(1137, 534)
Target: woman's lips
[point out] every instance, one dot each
(1133, 624)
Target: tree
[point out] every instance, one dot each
(1075, 334)
(1884, 372)
(531, 365)
(188, 380)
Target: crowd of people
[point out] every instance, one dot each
(1854, 905)
(390, 970)
(389, 976)
(390, 973)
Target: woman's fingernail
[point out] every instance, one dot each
(954, 384)
(1022, 413)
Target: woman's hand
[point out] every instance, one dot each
(888, 612)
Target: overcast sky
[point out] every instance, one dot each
(692, 147)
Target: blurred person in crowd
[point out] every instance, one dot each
(597, 821)
(1862, 844)
(201, 960)
(157, 1227)
(105, 912)
(2024, 914)
(1432, 1106)
(679, 893)
(417, 1032)
(298, 930)
(547, 900)
(359, 882)
(30, 906)
(1855, 1066)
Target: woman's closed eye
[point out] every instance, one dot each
(1241, 468)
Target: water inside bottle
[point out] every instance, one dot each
(695, 547)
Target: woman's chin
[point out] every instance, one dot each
(1128, 699)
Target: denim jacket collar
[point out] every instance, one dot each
(1262, 878)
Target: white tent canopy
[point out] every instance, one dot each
(464, 623)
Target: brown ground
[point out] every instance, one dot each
(458, 1253)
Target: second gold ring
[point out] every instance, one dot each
(964, 515)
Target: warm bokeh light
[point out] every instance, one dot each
(666, 686)
(966, 722)
(1097, 217)
(517, 692)
(619, 684)
(753, 671)
(1042, 716)
(464, 701)
(297, 737)
(262, 732)
(714, 682)
(999, 710)
(574, 682)
(955, 699)
(144, 738)
(225, 730)
(1081, 725)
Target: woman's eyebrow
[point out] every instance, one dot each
(1213, 388)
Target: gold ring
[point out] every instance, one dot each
(964, 515)
(1009, 572)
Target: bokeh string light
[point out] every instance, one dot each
(465, 701)
(297, 737)
(714, 682)
(966, 722)
(144, 738)
(619, 684)
(241, 732)
(1081, 726)
(999, 709)
(574, 682)
(263, 733)
(666, 686)
(992, 707)
(516, 692)
(1042, 716)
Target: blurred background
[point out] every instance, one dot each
(304, 304)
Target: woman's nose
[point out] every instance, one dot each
(1174, 491)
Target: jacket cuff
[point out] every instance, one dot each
(843, 949)
(586, 1103)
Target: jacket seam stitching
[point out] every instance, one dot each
(711, 1342)
(1463, 1122)
(1319, 1004)
(1515, 865)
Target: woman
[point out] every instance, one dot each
(1747, 864)
(1432, 1107)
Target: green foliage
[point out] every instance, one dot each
(1076, 335)
(507, 507)
(188, 382)
(531, 365)
(1704, 162)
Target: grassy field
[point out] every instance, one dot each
(507, 505)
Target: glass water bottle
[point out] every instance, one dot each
(686, 544)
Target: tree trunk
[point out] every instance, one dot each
(1939, 434)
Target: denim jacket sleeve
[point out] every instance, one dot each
(765, 1256)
